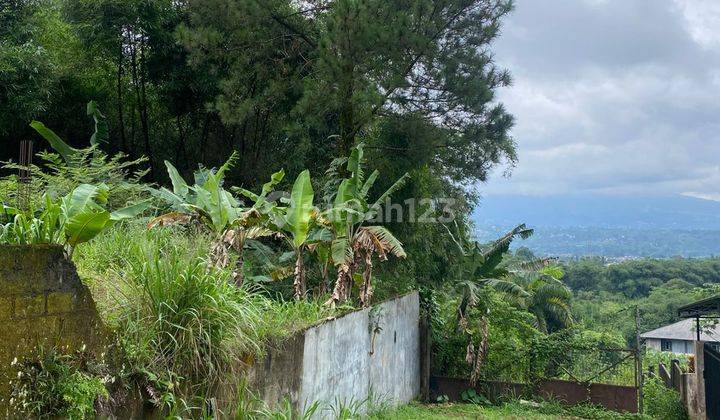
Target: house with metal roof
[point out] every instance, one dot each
(680, 337)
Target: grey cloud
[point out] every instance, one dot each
(614, 95)
(562, 37)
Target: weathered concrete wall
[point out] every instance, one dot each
(42, 303)
(367, 355)
(278, 375)
(395, 363)
(695, 386)
(336, 362)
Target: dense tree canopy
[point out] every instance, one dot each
(279, 81)
(286, 84)
(638, 278)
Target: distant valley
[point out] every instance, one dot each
(612, 226)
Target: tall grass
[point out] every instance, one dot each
(283, 318)
(184, 327)
(198, 322)
(661, 402)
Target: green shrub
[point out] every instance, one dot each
(53, 384)
(654, 357)
(662, 403)
(77, 217)
(103, 266)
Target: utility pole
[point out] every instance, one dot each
(638, 360)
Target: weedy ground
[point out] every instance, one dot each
(508, 411)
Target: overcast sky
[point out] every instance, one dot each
(613, 96)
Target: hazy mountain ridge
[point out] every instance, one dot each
(617, 226)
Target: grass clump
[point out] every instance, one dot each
(53, 384)
(191, 318)
(417, 411)
(183, 325)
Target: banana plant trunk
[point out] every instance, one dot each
(366, 290)
(324, 281)
(481, 353)
(340, 291)
(299, 283)
(237, 274)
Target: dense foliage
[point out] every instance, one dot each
(603, 290)
(637, 278)
(237, 187)
(184, 318)
(282, 83)
(57, 384)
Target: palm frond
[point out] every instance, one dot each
(505, 286)
(560, 309)
(381, 241)
(503, 243)
(493, 255)
(547, 292)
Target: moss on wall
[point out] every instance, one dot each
(42, 303)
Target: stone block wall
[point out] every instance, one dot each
(42, 303)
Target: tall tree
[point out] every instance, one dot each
(353, 63)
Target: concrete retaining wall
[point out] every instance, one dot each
(371, 354)
(367, 354)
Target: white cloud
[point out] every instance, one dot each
(703, 196)
(702, 20)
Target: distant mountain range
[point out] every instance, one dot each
(612, 226)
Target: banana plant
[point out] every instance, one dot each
(353, 243)
(60, 172)
(84, 217)
(76, 218)
(70, 154)
(206, 200)
(478, 270)
(295, 222)
(261, 202)
(215, 208)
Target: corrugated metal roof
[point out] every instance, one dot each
(685, 330)
(707, 306)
